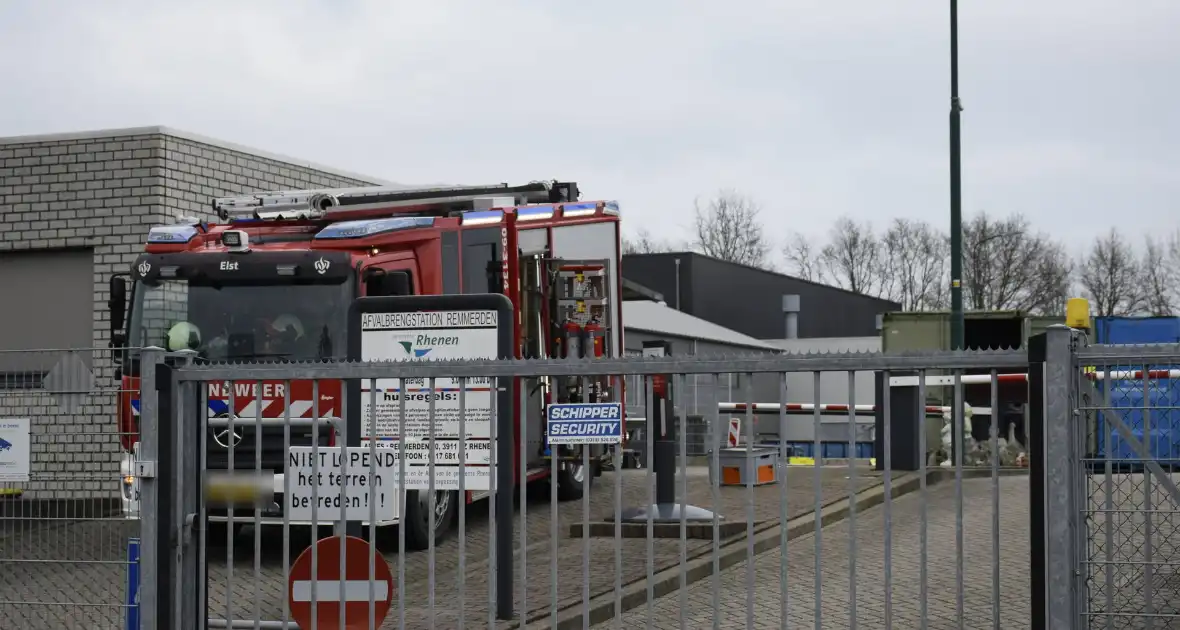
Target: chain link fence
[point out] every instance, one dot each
(64, 540)
(1130, 403)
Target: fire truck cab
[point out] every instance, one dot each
(273, 281)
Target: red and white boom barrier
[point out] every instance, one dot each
(984, 379)
(942, 380)
(827, 409)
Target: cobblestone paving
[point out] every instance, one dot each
(869, 571)
(95, 590)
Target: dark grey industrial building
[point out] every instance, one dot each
(749, 300)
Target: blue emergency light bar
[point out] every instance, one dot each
(483, 217)
(579, 209)
(369, 227)
(172, 234)
(534, 213)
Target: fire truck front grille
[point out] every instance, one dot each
(244, 446)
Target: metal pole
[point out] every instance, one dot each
(155, 508)
(678, 285)
(956, 190)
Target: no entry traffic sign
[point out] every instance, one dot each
(353, 592)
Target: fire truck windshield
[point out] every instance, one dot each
(242, 322)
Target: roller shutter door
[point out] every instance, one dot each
(46, 302)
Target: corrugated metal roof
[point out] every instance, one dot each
(657, 318)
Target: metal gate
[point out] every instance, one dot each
(1109, 507)
(926, 532)
(931, 534)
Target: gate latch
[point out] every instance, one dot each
(190, 521)
(145, 470)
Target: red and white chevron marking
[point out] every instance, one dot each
(275, 394)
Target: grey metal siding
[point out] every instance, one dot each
(658, 273)
(749, 300)
(101, 194)
(701, 392)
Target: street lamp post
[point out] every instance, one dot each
(956, 190)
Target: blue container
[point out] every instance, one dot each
(830, 450)
(1134, 330)
(802, 449)
(1162, 426)
(1126, 396)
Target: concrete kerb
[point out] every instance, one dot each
(733, 551)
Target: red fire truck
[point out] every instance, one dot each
(288, 264)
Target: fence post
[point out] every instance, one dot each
(150, 507)
(177, 573)
(190, 413)
(1054, 466)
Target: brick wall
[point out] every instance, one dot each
(103, 192)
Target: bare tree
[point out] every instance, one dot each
(802, 258)
(727, 227)
(645, 243)
(915, 257)
(853, 257)
(1109, 275)
(1052, 279)
(1159, 278)
(1007, 266)
(907, 264)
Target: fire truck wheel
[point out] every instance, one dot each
(572, 482)
(417, 521)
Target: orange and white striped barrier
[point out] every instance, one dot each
(735, 432)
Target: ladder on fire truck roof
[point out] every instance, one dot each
(317, 204)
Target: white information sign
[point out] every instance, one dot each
(425, 336)
(323, 470)
(14, 449)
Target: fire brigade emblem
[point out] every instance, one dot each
(143, 268)
(417, 353)
(321, 265)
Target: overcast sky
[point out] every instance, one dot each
(815, 108)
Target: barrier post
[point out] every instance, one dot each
(907, 416)
(661, 416)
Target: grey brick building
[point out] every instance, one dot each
(74, 208)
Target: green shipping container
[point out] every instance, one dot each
(982, 330)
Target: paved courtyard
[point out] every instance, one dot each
(869, 571)
(74, 574)
(1118, 546)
